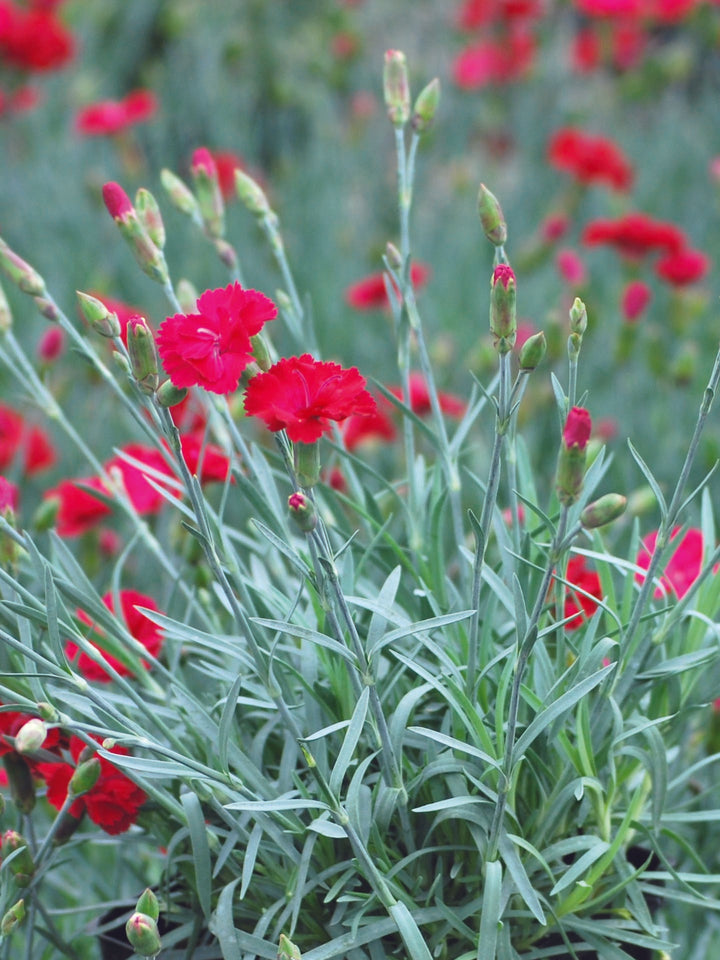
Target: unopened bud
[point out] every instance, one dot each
(5, 313)
(187, 295)
(150, 216)
(13, 918)
(533, 351)
(168, 395)
(25, 277)
(603, 510)
(426, 107)
(85, 777)
(226, 253)
(102, 320)
(578, 317)
(47, 711)
(503, 322)
(143, 355)
(393, 256)
(207, 190)
(573, 455)
(143, 935)
(260, 352)
(181, 196)
(47, 308)
(148, 904)
(31, 736)
(491, 217)
(45, 515)
(22, 865)
(147, 254)
(251, 194)
(287, 950)
(396, 87)
(20, 781)
(302, 511)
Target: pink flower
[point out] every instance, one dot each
(118, 203)
(9, 496)
(590, 158)
(51, 345)
(571, 267)
(211, 348)
(503, 273)
(682, 569)
(579, 575)
(683, 267)
(78, 510)
(635, 299)
(303, 395)
(496, 61)
(578, 427)
(111, 116)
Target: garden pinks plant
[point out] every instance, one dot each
(368, 716)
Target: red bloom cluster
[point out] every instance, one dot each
(303, 395)
(635, 234)
(682, 267)
(21, 443)
(682, 569)
(590, 158)
(370, 294)
(113, 803)
(480, 13)
(32, 38)
(138, 624)
(111, 116)
(211, 348)
(579, 576)
(496, 61)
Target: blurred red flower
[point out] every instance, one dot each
(450, 403)
(369, 293)
(139, 626)
(211, 348)
(9, 495)
(33, 39)
(590, 158)
(635, 298)
(303, 395)
(682, 267)
(51, 345)
(29, 445)
(478, 13)
(627, 44)
(684, 566)
(113, 803)
(496, 61)
(578, 428)
(635, 235)
(571, 268)
(357, 430)
(209, 459)
(143, 496)
(78, 510)
(111, 116)
(579, 576)
(610, 8)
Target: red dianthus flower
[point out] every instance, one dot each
(578, 428)
(303, 395)
(578, 575)
(78, 510)
(113, 803)
(682, 267)
(211, 348)
(33, 39)
(682, 569)
(370, 294)
(143, 496)
(635, 234)
(111, 116)
(29, 444)
(590, 158)
(139, 626)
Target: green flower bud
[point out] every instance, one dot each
(102, 320)
(260, 352)
(393, 257)
(533, 351)
(396, 87)
(426, 107)
(48, 712)
(150, 216)
(287, 950)
(144, 362)
(251, 195)
(207, 190)
(168, 395)
(491, 216)
(181, 196)
(143, 935)
(30, 736)
(503, 321)
(147, 254)
(13, 918)
(20, 781)
(578, 317)
(25, 277)
(46, 514)
(148, 904)
(85, 777)
(21, 865)
(226, 253)
(302, 511)
(603, 510)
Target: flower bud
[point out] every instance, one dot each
(181, 196)
(604, 510)
(51, 345)
(578, 317)
(47, 307)
(302, 511)
(393, 256)
(143, 935)
(5, 313)
(503, 322)
(287, 950)
(251, 194)
(226, 253)
(102, 320)
(13, 918)
(396, 87)
(46, 514)
(47, 711)
(150, 216)
(22, 865)
(533, 351)
(148, 256)
(168, 395)
(573, 454)
(25, 277)
(143, 355)
(207, 190)
(85, 777)
(20, 781)
(148, 904)
(491, 217)
(31, 736)
(426, 107)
